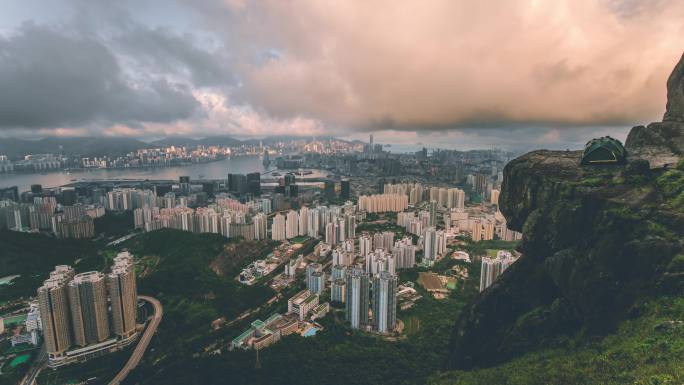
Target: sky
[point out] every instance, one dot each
(448, 73)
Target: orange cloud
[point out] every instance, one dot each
(445, 63)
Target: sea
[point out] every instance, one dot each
(212, 170)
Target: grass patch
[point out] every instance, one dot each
(644, 351)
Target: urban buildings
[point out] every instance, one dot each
(291, 224)
(357, 297)
(404, 253)
(494, 197)
(434, 245)
(264, 333)
(53, 299)
(302, 303)
(384, 302)
(74, 311)
(381, 203)
(338, 290)
(492, 268)
(278, 232)
(315, 278)
(88, 304)
(122, 289)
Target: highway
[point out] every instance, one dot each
(144, 340)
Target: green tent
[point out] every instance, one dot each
(604, 150)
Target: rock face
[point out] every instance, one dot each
(674, 111)
(662, 143)
(596, 240)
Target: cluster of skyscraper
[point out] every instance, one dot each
(382, 297)
(382, 203)
(416, 193)
(226, 216)
(373, 282)
(45, 214)
(337, 223)
(434, 244)
(87, 309)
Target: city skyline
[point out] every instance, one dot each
(177, 69)
(440, 192)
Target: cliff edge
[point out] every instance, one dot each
(597, 239)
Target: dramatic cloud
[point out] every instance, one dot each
(445, 64)
(51, 79)
(508, 72)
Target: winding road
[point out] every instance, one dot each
(37, 366)
(144, 340)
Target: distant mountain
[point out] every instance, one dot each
(82, 146)
(98, 146)
(230, 141)
(190, 142)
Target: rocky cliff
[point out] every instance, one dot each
(597, 239)
(662, 143)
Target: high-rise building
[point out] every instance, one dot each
(494, 197)
(387, 240)
(404, 253)
(317, 281)
(350, 223)
(337, 290)
(365, 244)
(291, 224)
(340, 228)
(345, 189)
(53, 300)
(331, 233)
(378, 261)
(329, 189)
(184, 183)
(381, 203)
(122, 290)
(88, 304)
(434, 244)
(338, 271)
(260, 224)
(237, 183)
(289, 179)
(357, 297)
(492, 268)
(315, 278)
(455, 198)
(433, 213)
(278, 228)
(480, 183)
(254, 183)
(384, 302)
(313, 223)
(303, 221)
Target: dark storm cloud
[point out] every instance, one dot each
(51, 78)
(162, 49)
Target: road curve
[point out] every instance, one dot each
(37, 366)
(139, 350)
